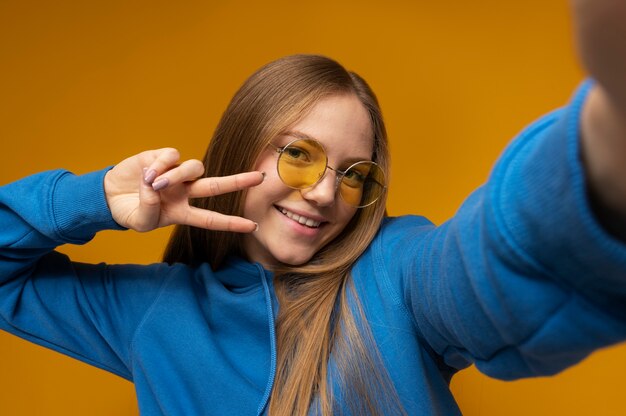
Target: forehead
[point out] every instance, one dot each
(341, 123)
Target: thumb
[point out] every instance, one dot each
(149, 209)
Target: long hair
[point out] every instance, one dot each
(319, 309)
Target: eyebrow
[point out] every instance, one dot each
(300, 135)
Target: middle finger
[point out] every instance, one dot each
(224, 184)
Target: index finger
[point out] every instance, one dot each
(224, 184)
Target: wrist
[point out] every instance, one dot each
(80, 208)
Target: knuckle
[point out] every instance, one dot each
(150, 201)
(147, 157)
(167, 156)
(172, 153)
(214, 187)
(209, 222)
(236, 182)
(146, 154)
(197, 166)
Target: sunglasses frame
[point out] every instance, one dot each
(339, 174)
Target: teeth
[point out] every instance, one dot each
(300, 219)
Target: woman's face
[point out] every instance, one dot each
(342, 125)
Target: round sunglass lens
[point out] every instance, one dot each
(362, 184)
(302, 163)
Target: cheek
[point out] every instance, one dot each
(256, 194)
(343, 216)
(259, 198)
(267, 164)
(248, 203)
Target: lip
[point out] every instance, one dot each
(302, 229)
(314, 217)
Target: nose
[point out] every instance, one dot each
(324, 192)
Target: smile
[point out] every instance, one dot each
(309, 222)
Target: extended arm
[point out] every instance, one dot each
(524, 280)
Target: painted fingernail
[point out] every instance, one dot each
(160, 184)
(149, 175)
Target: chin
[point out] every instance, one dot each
(295, 259)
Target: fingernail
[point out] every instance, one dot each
(149, 175)
(160, 184)
(256, 228)
(263, 174)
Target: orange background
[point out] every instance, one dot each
(85, 84)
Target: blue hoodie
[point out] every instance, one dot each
(522, 281)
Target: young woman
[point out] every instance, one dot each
(286, 291)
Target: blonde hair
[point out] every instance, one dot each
(315, 315)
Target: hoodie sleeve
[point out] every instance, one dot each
(523, 280)
(89, 312)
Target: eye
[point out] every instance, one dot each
(353, 178)
(296, 153)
